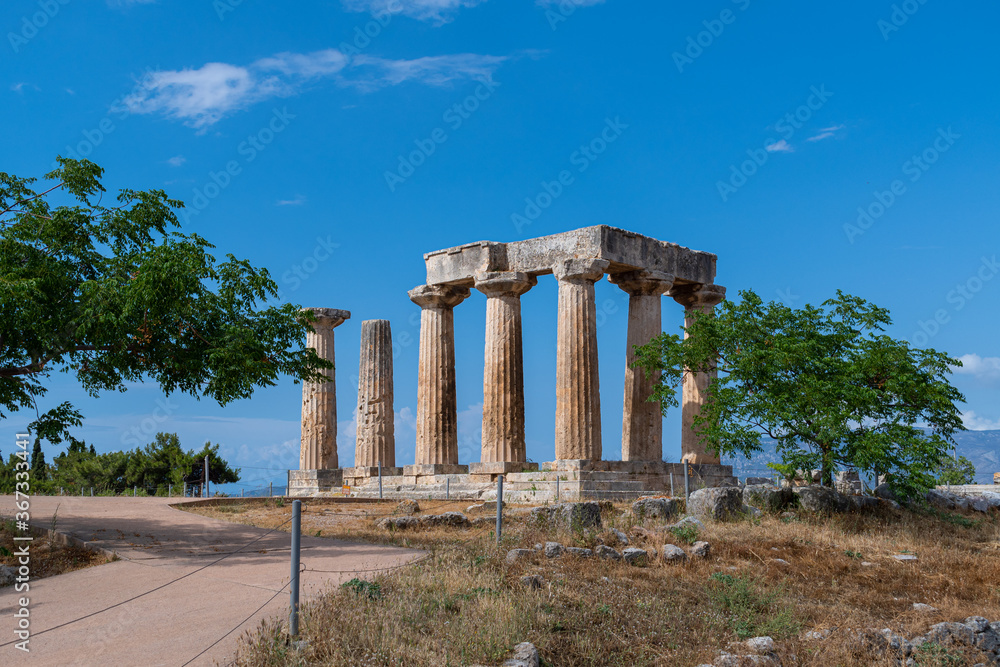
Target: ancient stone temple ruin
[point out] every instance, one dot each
(645, 268)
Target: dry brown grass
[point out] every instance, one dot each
(47, 558)
(466, 605)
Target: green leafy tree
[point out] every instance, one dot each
(37, 461)
(952, 471)
(112, 293)
(826, 384)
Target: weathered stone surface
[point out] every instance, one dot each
(578, 397)
(533, 581)
(925, 608)
(979, 505)
(673, 554)
(607, 553)
(635, 556)
(7, 575)
(977, 624)
(760, 645)
(940, 500)
(376, 439)
(719, 504)
(687, 521)
(654, 508)
(490, 506)
(696, 298)
(515, 555)
(642, 420)
(572, 515)
(446, 519)
(951, 633)
(622, 537)
(524, 655)
(752, 511)
(884, 491)
(816, 498)
(701, 549)
(407, 507)
(318, 449)
(553, 550)
(437, 409)
(768, 497)
(503, 370)
(399, 522)
(864, 503)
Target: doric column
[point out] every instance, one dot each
(642, 420)
(376, 441)
(437, 407)
(503, 371)
(578, 398)
(695, 298)
(318, 447)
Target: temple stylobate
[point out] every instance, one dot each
(646, 269)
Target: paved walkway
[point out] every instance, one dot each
(157, 544)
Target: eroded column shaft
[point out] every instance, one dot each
(578, 398)
(318, 445)
(503, 369)
(376, 442)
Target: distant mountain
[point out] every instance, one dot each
(980, 447)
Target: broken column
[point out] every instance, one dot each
(437, 407)
(578, 399)
(503, 373)
(696, 299)
(376, 442)
(642, 420)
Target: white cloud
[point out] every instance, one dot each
(982, 368)
(298, 201)
(21, 85)
(435, 11)
(974, 422)
(826, 133)
(177, 160)
(780, 147)
(203, 96)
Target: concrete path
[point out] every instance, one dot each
(157, 544)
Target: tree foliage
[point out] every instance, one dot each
(152, 468)
(113, 294)
(956, 471)
(824, 382)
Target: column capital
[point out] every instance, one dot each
(327, 318)
(504, 283)
(438, 296)
(698, 295)
(580, 270)
(643, 283)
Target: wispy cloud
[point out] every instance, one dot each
(203, 96)
(176, 160)
(974, 422)
(780, 147)
(434, 11)
(982, 368)
(21, 85)
(298, 201)
(825, 133)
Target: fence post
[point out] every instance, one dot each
(185, 489)
(447, 488)
(671, 483)
(91, 492)
(380, 480)
(293, 621)
(687, 481)
(170, 490)
(270, 490)
(499, 506)
(135, 491)
(206, 475)
(557, 486)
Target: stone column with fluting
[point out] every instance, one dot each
(437, 407)
(318, 450)
(578, 398)
(642, 420)
(695, 298)
(503, 372)
(376, 441)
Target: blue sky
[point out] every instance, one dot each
(812, 147)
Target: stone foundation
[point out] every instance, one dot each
(557, 481)
(311, 482)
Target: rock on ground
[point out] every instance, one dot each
(607, 553)
(399, 522)
(533, 581)
(407, 507)
(515, 555)
(654, 508)
(579, 553)
(635, 556)
(572, 515)
(524, 655)
(553, 549)
(700, 549)
(719, 503)
(817, 498)
(674, 554)
(768, 497)
(446, 519)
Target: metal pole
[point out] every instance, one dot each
(380, 480)
(241, 493)
(185, 489)
(270, 489)
(170, 490)
(206, 475)
(499, 506)
(293, 621)
(557, 487)
(447, 488)
(671, 484)
(687, 482)
(91, 492)
(135, 491)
